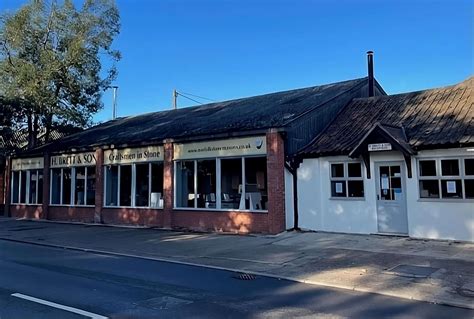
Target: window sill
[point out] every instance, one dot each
(361, 199)
(72, 206)
(22, 204)
(219, 210)
(131, 207)
(446, 200)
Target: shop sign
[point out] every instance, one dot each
(70, 160)
(27, 163)
(133, 155)
(380, 147)
(222, 148)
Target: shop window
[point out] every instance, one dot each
(134, 185)
(446, 178)
(156, 196)
(206, 184)
(111, 185)
(84, 186)
(142, 182)
(27, 187)
(347, 180)
(80, 186)
(125, 189)
(56, 186)
(231, 183)
(240, 188)
(90, 185)
(255, 183)
(66, 186)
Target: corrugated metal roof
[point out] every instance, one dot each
(441, 117)
(242, 115)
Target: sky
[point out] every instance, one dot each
(226, 49)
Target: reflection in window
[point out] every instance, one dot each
(142, 185)
(80, 187)
(15, 187)
(111, 186)
(231, 183)
(67, 178)
(156, 197)
(347, 180)
(185, 196)
(125, 198)
(56, 186)
(90, 183)
(256, 183)
(206, 184)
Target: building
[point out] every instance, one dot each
(400, 164)
(218, 167)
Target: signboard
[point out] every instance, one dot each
(222, 148)
(27, 163)
(380, 147)
(133, 155)
(70, 160)
(451, 187)
(339, 188)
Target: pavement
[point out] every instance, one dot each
(434, 271)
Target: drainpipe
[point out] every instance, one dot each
(293, 168)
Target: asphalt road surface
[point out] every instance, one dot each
(42, 282)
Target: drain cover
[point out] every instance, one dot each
(245, 277)
(412, 271)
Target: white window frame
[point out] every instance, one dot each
(218, 184)
(439, 177)
(73, 187)
(27, 185)
(133, 186)
(346, 179)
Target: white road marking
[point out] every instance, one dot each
(56, 305)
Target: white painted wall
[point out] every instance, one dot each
(289, 209)
(435, 219)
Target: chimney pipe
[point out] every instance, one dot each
(370, 65)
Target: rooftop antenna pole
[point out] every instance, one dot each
(175, 99)
(114, 105)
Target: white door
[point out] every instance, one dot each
(391, 198)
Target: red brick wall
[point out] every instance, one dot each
(27, 211)
(7, 188)
(168, 181)
(220, 221)
(75, 214)
(99, 185)
(2, 190)
(46, 190)
(133, 216)
(276, 182)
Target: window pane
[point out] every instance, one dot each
(66, 186)
(338, 189)
(337, 170)
(428, 168)
(429, 189)
(90, 197)
(15, 185)
(23, 187)
(40, 186)
(56, 186)
(469, 166)
(156, 199)
(32, 186)
(354, 169)
(142, 185)
(355, 188)
(451, 188)
(111, 198)
(206, 183)
(80, 186)
(125, 185)
(185, 184)
(450, 167)
(231, 183)
(469, 188)
(256, 183)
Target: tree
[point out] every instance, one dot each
(58, 60)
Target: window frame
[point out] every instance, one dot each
(440, 178)
(133, 185)
(218, 184)
(346, 179)
(27, 185)
(73, 186)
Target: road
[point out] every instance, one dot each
(98, 286)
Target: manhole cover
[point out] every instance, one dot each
(245, 277)
(412, 271)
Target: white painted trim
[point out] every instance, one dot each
(59, 306)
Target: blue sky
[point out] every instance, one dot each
(225, 49)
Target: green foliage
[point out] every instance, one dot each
(51, 57)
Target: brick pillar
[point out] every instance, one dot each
(2, 187)
(46, 184)
(7, 176)
(168, 191)
(276, 182)
(99, 185)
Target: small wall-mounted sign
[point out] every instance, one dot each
(380, 147)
